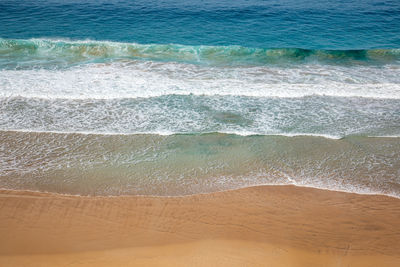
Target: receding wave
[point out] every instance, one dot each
(63, 51)
(190, 164)
(238, 133)
(314, 115)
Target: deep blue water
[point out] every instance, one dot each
(315, 24)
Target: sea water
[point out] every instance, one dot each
(184, 97)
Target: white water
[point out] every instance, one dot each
(133, 79)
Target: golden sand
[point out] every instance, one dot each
(257, 226)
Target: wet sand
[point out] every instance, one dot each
(257, 226)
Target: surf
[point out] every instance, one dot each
(69, 52)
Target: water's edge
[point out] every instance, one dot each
(186, 164)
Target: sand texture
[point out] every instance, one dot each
(257, 226)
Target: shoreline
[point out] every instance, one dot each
(166, 133)
(311, 227)
(7, 191)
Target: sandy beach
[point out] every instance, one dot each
(256, 226)
(199, 133)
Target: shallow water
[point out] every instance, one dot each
(188, 164)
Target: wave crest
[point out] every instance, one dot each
(78, 51)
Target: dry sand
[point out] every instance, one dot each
(257, 226)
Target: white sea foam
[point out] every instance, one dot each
(135, 79)
(166, 133)
(332, 117)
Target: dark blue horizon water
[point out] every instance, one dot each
(315, 24)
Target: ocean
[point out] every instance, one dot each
(184, 97)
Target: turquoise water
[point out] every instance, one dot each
(49, 53)
(182, 97)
